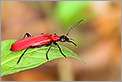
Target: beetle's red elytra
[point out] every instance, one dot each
(40, 40)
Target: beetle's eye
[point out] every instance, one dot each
(62, 39)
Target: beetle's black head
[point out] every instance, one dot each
(64, 38)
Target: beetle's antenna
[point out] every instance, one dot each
(73, 26)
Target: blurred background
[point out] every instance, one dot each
(97, 37)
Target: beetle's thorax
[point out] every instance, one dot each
(55, 37)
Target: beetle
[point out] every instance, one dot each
(40, 40)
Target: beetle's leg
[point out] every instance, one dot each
(47, 52)
(26, 34)
(22, 55)
(59, 49)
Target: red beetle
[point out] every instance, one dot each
(41, 40)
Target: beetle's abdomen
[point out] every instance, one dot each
(38, 40)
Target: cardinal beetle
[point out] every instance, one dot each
(43, 39)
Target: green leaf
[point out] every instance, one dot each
(32, 58)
